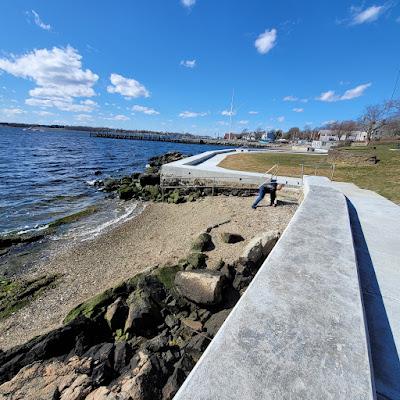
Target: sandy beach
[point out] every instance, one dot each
(161, 233)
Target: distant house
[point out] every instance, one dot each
(268, 137)
(250, 137)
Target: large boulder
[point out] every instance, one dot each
(202, 287)
(203, 242)
(259, 247)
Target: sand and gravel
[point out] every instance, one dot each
(161, 233)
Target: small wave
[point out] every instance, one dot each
(92, 232)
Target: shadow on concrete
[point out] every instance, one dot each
(384, 355)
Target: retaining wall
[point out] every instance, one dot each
(298, 332)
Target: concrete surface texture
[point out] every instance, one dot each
(375, 222)
(298, 332)
(205, 165)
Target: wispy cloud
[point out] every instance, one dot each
(192, 114)
(227, 113)
(281, 119)
(298, 110)
(13, 111)
(370, 14)
(126, 87)
(331, 96)
(38, 21)
(243, 122)
(295, 99)
(188, 3)
(188, 63)
(266, 41)
(145, 110)
(253, 112)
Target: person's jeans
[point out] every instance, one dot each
(261, 194)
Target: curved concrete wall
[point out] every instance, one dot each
(298, 332)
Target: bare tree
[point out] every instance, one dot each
(379, 116)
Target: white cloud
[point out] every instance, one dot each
(188, 63)
(145, 110)
(328, 96)
(293, 98)
(222, 123)
(266, 41)
(188, 3)
(290, 98)
(298, 110)
(281, 119)
(191, 114)
(13, 111)
(227, 113)
(370, 14)
(58, 75)
(253, 112)
(356, 92)
(37, 20)
(331, 96)
(126, 87)
(121, 117)
(63, 104)
(398, 20)
(243, 122)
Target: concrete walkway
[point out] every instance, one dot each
(375, 223)
(205, 165)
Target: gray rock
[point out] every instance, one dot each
(202, 287)
(259, 247)
(203, 243)
(197, 260)
(215, 321)
(116, 314)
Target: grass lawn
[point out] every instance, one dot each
(383, 177)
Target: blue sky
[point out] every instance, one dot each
(173, 64)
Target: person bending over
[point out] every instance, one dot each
(270, 186)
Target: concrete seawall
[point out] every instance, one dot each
(205, 166)
(298, 332)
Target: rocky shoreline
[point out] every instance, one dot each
(139, 339)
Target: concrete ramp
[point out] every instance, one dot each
(375, 223)
(298, 332)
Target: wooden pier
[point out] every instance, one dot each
(162, 138)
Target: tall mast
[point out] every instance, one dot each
(230, 115)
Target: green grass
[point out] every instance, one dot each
(383, 177)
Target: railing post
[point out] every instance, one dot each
(302, 170)
(333, 171)
(315, 171)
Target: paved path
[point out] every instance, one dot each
(376, 230)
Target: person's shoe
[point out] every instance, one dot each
(253, 207)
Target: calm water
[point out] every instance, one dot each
(46, 175)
